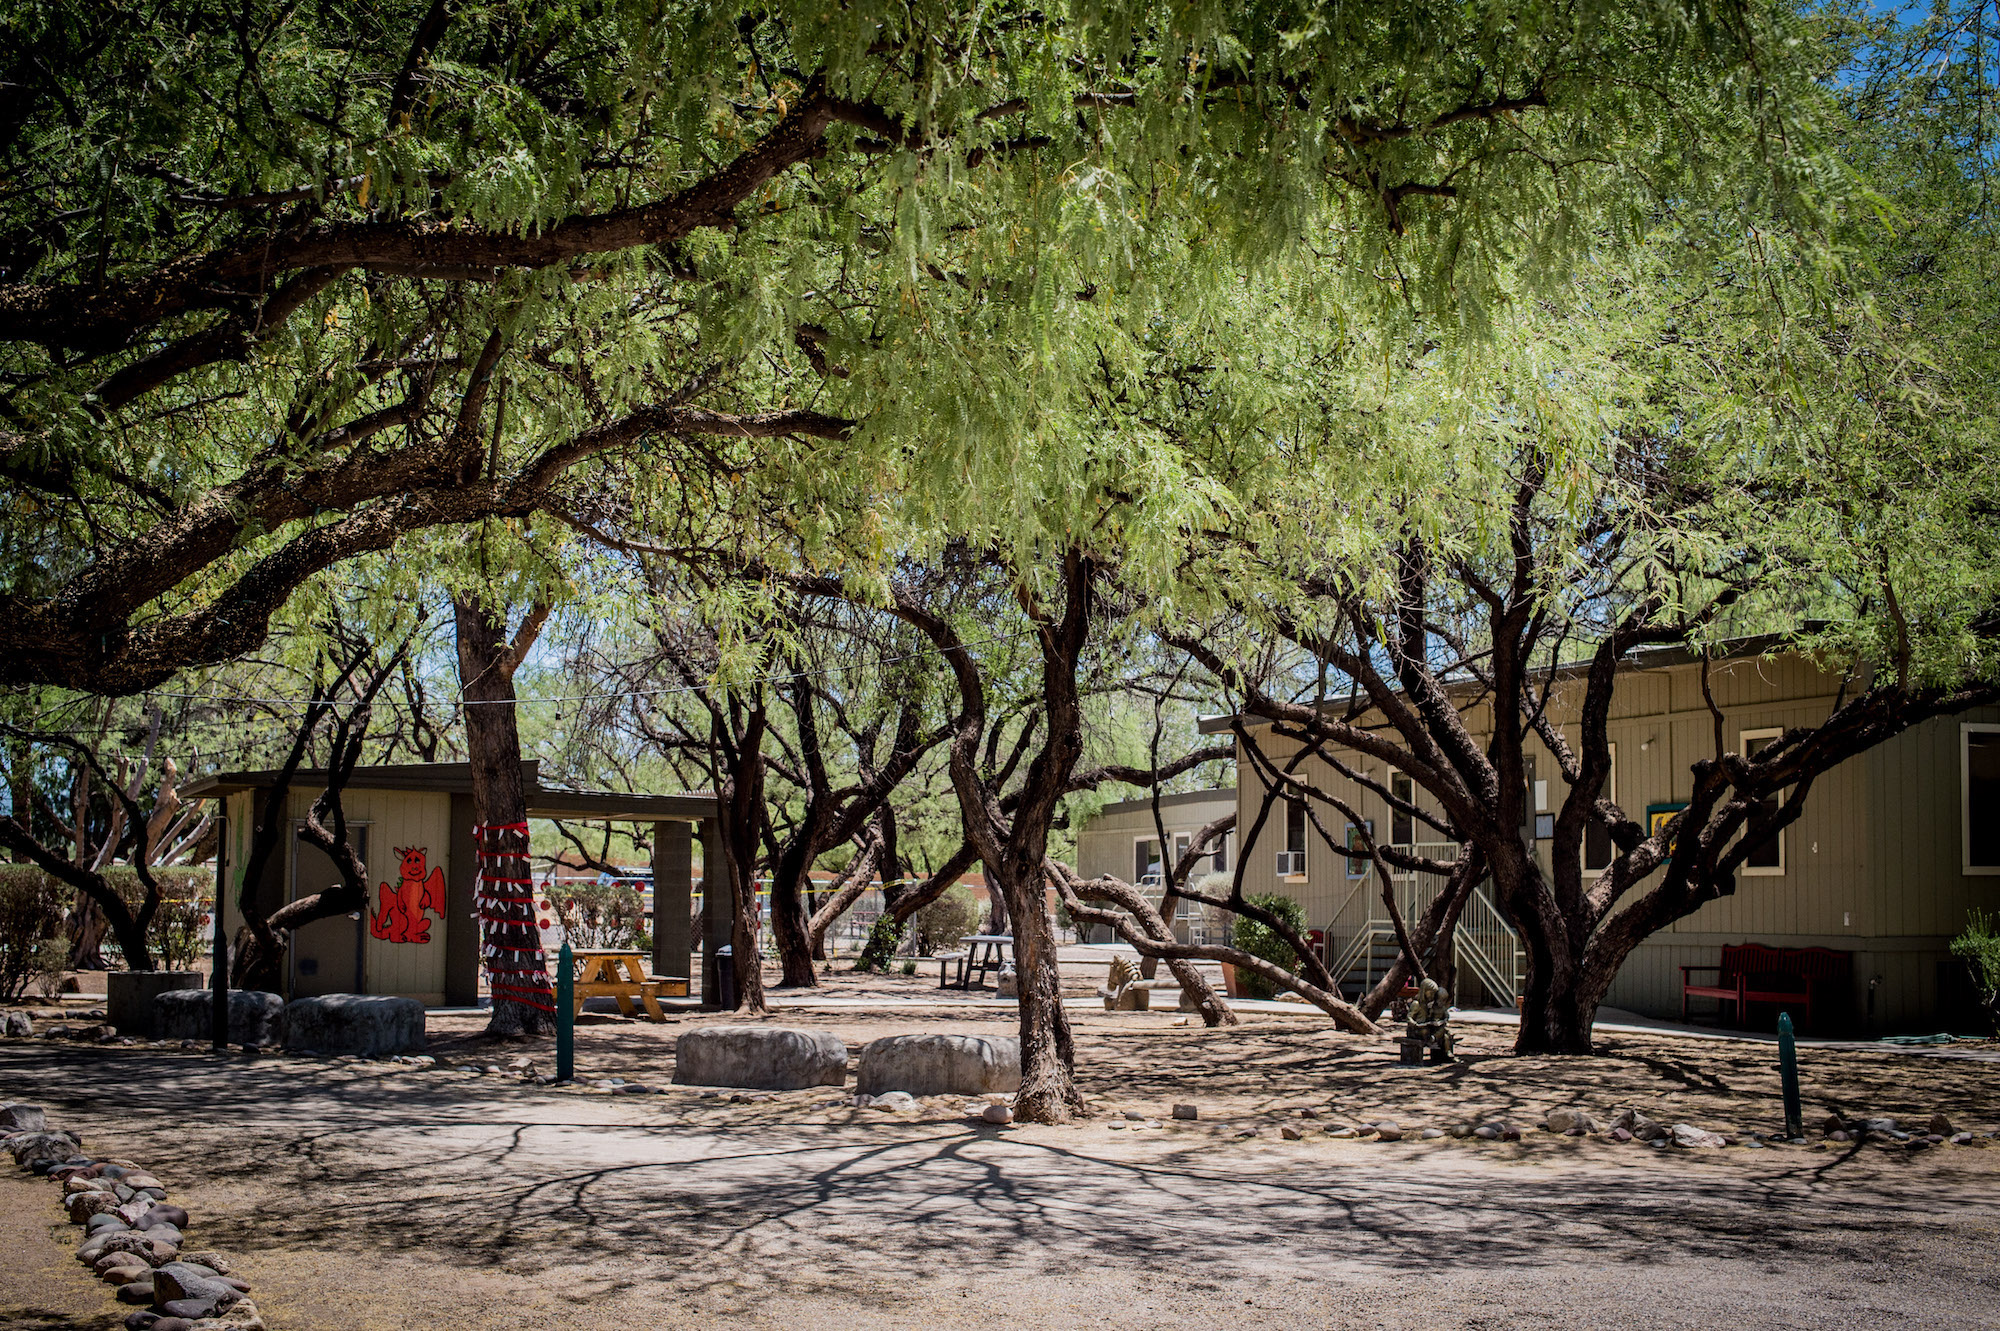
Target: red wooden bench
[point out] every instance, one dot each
(1753, 973)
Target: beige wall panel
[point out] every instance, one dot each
(399, 819)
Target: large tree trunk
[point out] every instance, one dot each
(1557, 1011)
(906, 900)
(510, 941)
(739, 805)
(788, 916)
(1048, 1091)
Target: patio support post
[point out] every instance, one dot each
(718, 912)
(673, 898)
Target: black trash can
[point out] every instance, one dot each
(725, 978)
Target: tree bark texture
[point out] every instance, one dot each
(510, 941)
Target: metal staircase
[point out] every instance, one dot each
(1361, 938)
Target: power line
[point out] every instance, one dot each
(463, 701)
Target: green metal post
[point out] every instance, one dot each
(218, 978)
(1788, 1076)
(565, 1015)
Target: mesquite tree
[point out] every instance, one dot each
(523, 998)
(260, 261)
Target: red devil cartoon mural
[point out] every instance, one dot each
(401, 919)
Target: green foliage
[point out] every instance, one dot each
(176, 933)
(939, 926)
(180, 934)
(597, 915)
(31, 916)
(909, 968)
(883, 940)
(1259, 940)
(1040, 228)
(1979, 948)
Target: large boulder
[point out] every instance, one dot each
(365, 1025)
(764, 1058)
(129, 995)
(940, 1065)
(255, 1017)
(23, 1118)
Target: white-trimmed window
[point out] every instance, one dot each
(1979, 796)
(1358, 861)
(1402, 825)
(1598, 850)
(1767, 860)
(1146, 868)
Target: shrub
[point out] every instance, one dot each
(939, 926)
(909, 968)
(31, 916)
(179, 933)
(1979, 948)
(602, 915)
(1259, 941)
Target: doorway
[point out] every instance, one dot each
(326, 954)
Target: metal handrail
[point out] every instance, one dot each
(1483, 941)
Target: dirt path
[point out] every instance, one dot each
(368, 1195)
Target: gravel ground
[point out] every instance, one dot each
(373, 1195)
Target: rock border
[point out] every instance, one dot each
(133, 1237)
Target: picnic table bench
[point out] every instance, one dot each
(621, 974)
(1754, 973)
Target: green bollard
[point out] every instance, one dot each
(565, 1015)
(1788, 1076)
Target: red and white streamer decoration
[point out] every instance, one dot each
(518, 974)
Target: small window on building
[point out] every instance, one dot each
(1402, 825)
(1597, 847)
(1357, 865)
(1979, 783)
(1146, 861)
(1768, 859)
(1295, 825)
(1219, 861)
(1528, 802)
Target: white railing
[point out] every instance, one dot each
(1482, 942)
(1444, 851)
(1488, 947)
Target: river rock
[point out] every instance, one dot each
(766, 1058)
(139, 1291)
(1187, 1113)
(19, 1023)
(1688, 1135)
(1290, 1133)
(255, 1017)
(997, 1114)
(163, 1214)
(47, 1149)
(940, 1065)
(361, 1025)
(1574, 1121)
(181, 1290)
(1940, 1126)
(1389, 1131)
(23, 1118)
(83, 1205)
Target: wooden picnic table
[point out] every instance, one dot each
(620, 973)
(983, 953)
